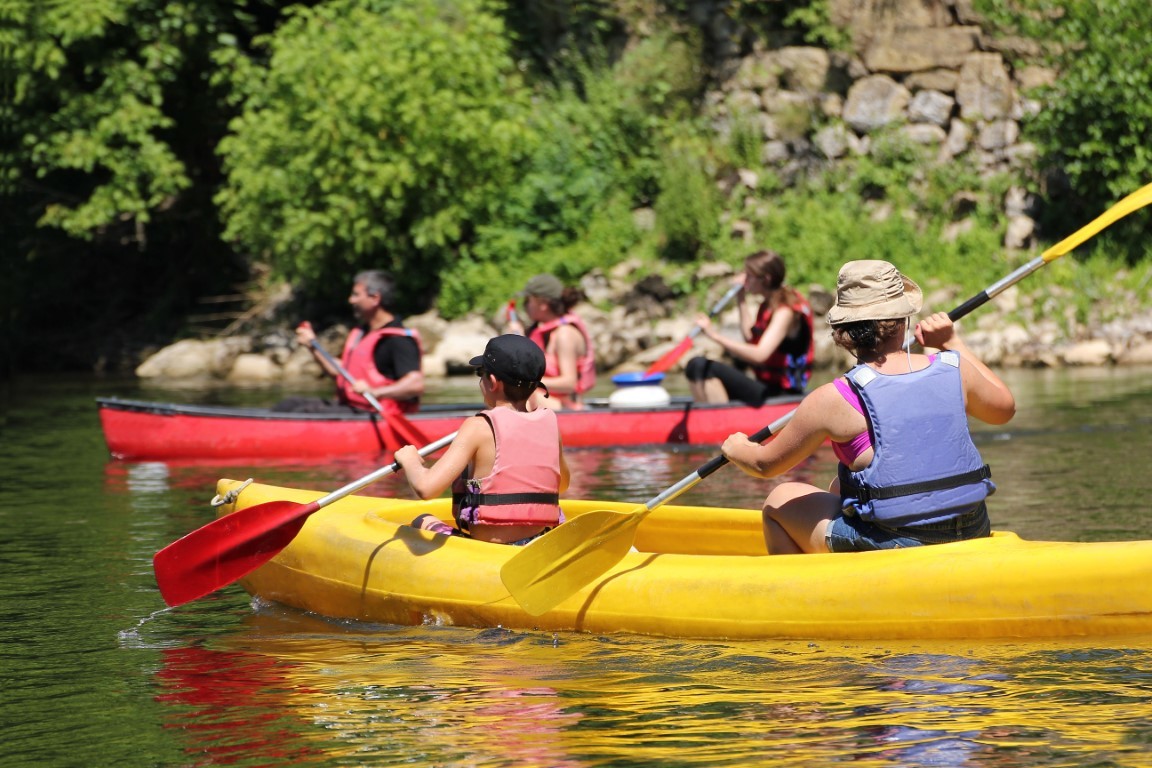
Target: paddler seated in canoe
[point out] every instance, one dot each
(909, 472)
(567, 345)
(506, 466)
(776, 342)
(382, 357)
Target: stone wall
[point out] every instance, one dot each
(925, 68)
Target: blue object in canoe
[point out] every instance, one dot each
(637, 378)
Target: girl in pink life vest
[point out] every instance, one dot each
(777, 341)
(570, 363)
(506, 467)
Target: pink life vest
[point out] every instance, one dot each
(585, 365)
(524, 486)
(359, 360)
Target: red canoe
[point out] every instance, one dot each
(142, 431)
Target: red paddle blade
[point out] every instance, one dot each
(668, 359)
(226, 549)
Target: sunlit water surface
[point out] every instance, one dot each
(96, 672)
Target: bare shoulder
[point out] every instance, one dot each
(473, 430)
(568, 332)
(822, 398)
(816, 406)
(828, 409)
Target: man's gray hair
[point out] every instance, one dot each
(377, 282)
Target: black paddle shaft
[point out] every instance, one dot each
(713, 464)
(718, 461)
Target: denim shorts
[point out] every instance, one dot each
(848, 533)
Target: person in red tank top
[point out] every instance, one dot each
(506, 466)
(776, 342)
(383, 357)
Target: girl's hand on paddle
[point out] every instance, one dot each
(408, 456)
(734, 445)
(937, 331)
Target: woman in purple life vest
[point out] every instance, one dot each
(506, 466)
(777, 341)
(568, 352)
(909, 472)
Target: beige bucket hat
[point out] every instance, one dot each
(873, 290)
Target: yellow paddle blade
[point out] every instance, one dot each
(558, 564)
(1132, 202)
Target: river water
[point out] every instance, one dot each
(96, 672)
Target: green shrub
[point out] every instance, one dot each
(687, 208)
(378, 134)
(1095, 127)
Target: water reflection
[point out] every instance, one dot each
(380, 695)
(231, 707)
(99, 675)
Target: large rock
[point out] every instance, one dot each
(463, 339)
(250, 368)
(185, 359)
(917, 50)
(875, 102)
(302, 365)
(868, 19)
(804, 69)
(1093, 352)
(1139, 353)
(932, 107)
(984, 91)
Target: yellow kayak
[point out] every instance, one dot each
(703, 572)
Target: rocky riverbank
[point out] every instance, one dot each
(633, 324)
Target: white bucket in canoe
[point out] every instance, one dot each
(635, 390)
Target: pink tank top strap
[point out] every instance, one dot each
(848, 452)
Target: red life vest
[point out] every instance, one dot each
(523, 488)
(359, 360)
(585, 365)
(790, 366)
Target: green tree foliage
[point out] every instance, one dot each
(107, 169)
(377, 135)
(92, 87)
(1095, 125)
(605, 124)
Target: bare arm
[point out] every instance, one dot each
(986, 397)
(813, 423)
(565, 473)
(429, 482)
(305, 335)
(407, 386)
(568, 343)
(757, 353)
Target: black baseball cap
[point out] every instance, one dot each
(513, 359)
